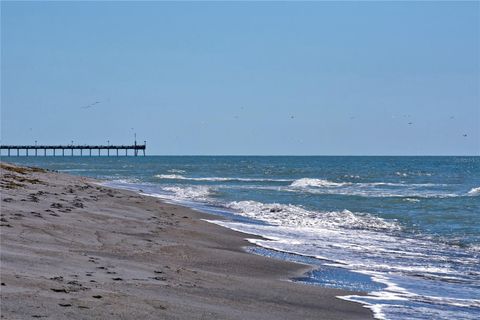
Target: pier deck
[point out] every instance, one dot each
(15, 150)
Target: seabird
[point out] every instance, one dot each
(90, 105)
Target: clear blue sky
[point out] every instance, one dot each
(244, 78)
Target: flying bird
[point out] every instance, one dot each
(410, 123)
(464, 134)
(90, 105)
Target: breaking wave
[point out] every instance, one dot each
(372, 189)
(295, 216)
(474, 192)
(198, 193)
(180, 177)
(309, 182)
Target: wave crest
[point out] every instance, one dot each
(199, 193)
(294, 216)
(310, 182)
(180, 177)
(474, 192)
(170, 176)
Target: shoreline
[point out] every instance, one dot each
(72, 248)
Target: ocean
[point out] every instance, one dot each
(405, 231)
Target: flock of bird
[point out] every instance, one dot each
(291, 116)
(90, 105)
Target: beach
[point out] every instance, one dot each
(73, 249)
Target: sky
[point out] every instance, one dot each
(244, 78)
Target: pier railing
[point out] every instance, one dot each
(15, 150)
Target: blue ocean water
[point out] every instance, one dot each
(404, 230)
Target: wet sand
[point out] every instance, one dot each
(71, 249)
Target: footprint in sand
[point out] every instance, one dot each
(92, 259)
(77, 204)
(64, 304)
(36, 214)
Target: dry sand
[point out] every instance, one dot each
(71, 249)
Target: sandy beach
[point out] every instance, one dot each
(72, 249)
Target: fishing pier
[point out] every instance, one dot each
(71, 150)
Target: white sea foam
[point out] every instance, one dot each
(370, 189)
(295, 216)
(310, 182)
(377, 309)
(376, 193)
(388, 259)
(199, 193)
(180, 177)
(169, 176)
(359, 249)
(322, 183)
(474, 192)
(395, 292)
